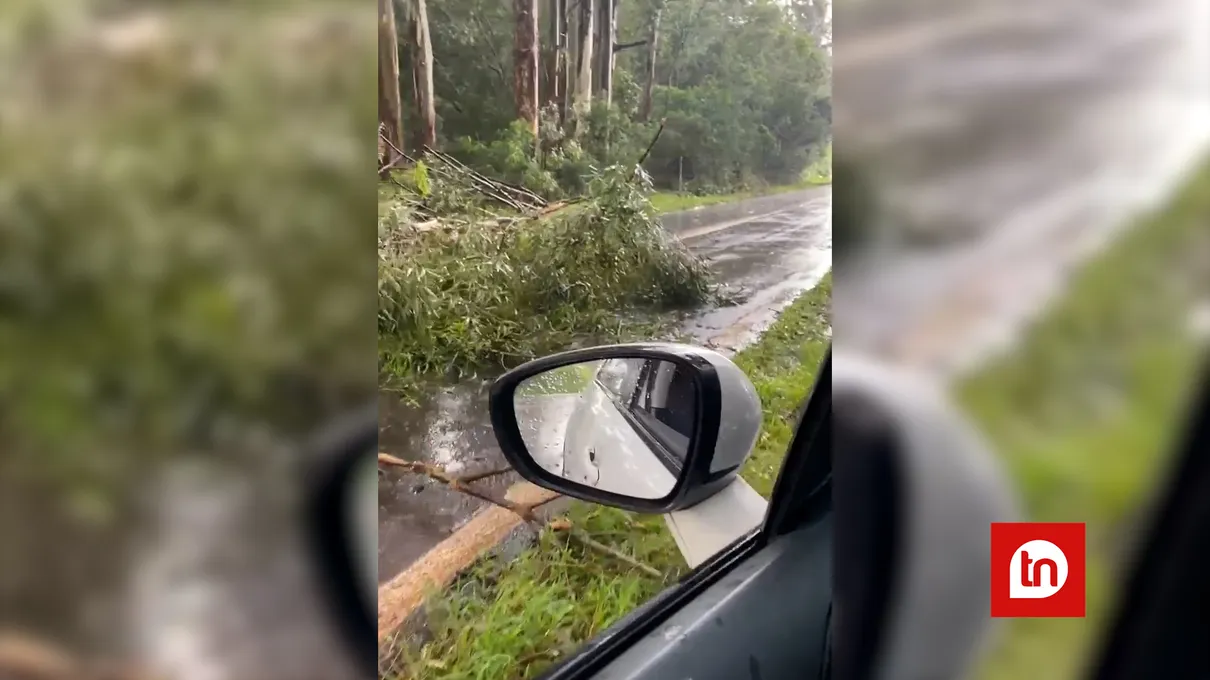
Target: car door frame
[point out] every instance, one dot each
(1161, 623)
(801, 494)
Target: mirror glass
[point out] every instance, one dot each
(622, 425)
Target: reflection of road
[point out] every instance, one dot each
(773, 247)
(1034, 127)
(542, 420)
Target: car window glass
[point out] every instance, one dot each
(664, 407)
(618, 377)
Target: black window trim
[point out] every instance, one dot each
(634, 415)
(652, 439)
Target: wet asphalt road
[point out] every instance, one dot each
(770, 248)
(1022, 133)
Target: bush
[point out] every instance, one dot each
(471, 294)
(172, 250)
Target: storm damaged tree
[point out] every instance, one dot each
(421, 50)
(525, 62)
(390, 110)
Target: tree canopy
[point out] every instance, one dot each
(739, 90)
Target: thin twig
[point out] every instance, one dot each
(654, 139)
(613, 552)
(524, 511)
(467, 479)
(437, 474)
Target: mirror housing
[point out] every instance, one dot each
(341, 524)
(916, 491)
(726, 424)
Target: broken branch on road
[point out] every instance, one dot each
(524, 511)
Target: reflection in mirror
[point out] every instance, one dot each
(619, 425)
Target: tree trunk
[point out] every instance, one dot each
(582, 99)
(653, 49)
(422, 76)
(390, 110)
(525, 61)
(559, 80)
(607, 17)
(556, 57)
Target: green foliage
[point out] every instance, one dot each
(1087, 409)
(741, 85)
(181, 213)
(820, 169)
(474, 292)
(420, 179)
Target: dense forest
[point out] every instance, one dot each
(708, 95)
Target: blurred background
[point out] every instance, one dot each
(186, 259)
(1022, 191)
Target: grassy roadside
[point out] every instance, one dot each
(1086, 408)
(512, 620)
(670, 201)
(816, 174)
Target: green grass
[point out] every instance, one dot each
(671, 201)
(510, 620)
(782, 366)
(815, 174)
(563, 380)
(1085, 410)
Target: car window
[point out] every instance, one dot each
(664, 406)
(618, 377)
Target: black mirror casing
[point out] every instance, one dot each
(333, 457)
(696, 481)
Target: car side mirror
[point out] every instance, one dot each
(645, 427)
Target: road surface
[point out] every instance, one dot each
(771, 248)
(1027, 132)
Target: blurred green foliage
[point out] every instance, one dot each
(185, 229)
(1089, 407)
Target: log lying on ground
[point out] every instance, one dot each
(404, 593)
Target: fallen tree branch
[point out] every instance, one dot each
(467, 479)
(564, 524)
(515, 192)
(659, 131)
(457, 484)
(524, 511)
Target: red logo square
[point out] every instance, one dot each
(1038, 569)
